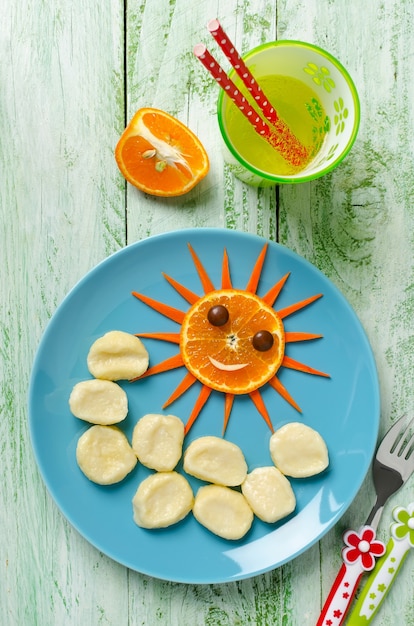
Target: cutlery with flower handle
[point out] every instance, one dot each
(393, 465)
(382, 577)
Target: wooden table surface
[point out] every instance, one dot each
(72, 75)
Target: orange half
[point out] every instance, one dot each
(224, 357)
(160, 155)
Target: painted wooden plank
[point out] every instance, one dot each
(163, 72)
(346, 223)
(61, 212)
(64, 207)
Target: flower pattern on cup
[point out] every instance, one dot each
(340, 115)
(332, 152)
(329, 156)
(362, 547)
(321, 76)
(404, 523)
(315, 110)
(322, 124)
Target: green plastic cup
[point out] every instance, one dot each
(333, 111)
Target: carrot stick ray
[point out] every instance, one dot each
(301, 367)
(256, 272)
(228, 404)
(297, 306)
(201, 271)
(292, 336)
(187, 294)
(271, 296)
(171, 337)
(282, 391)
(200, 402)
(168, 311)
(260, 406)
(165, 366)
(225, 272)
(185, 384)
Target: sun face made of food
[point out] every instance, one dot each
(231, 340)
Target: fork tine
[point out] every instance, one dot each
(401, 434)
(407, 447)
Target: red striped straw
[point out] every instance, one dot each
(242, 70)
(278, 140)
(230, 88)
(280, 127)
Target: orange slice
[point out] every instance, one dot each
(160, 155)
(224, 357)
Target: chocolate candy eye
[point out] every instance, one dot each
(263, 340)
(218, 315)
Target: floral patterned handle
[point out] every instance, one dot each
(358, 555)
(380, 580)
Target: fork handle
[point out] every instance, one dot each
(375, 515)
(356, 561)
(379, 583)
(340, 595)
(387, 481)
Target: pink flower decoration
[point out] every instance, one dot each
(362, 546)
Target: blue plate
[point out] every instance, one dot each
(343, 408)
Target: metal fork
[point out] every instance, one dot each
(392, 467)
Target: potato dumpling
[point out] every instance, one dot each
(104, 455)
(269, 494)
(216, 461)
(157, 441)
(298, 450)
(224, 511)
(98, 402)
(161, 500)
(117, 356)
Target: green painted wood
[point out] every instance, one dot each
(67, 91)
(356, 224)
(62, 211)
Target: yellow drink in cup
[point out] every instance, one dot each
(300, 109)
(312, 93)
